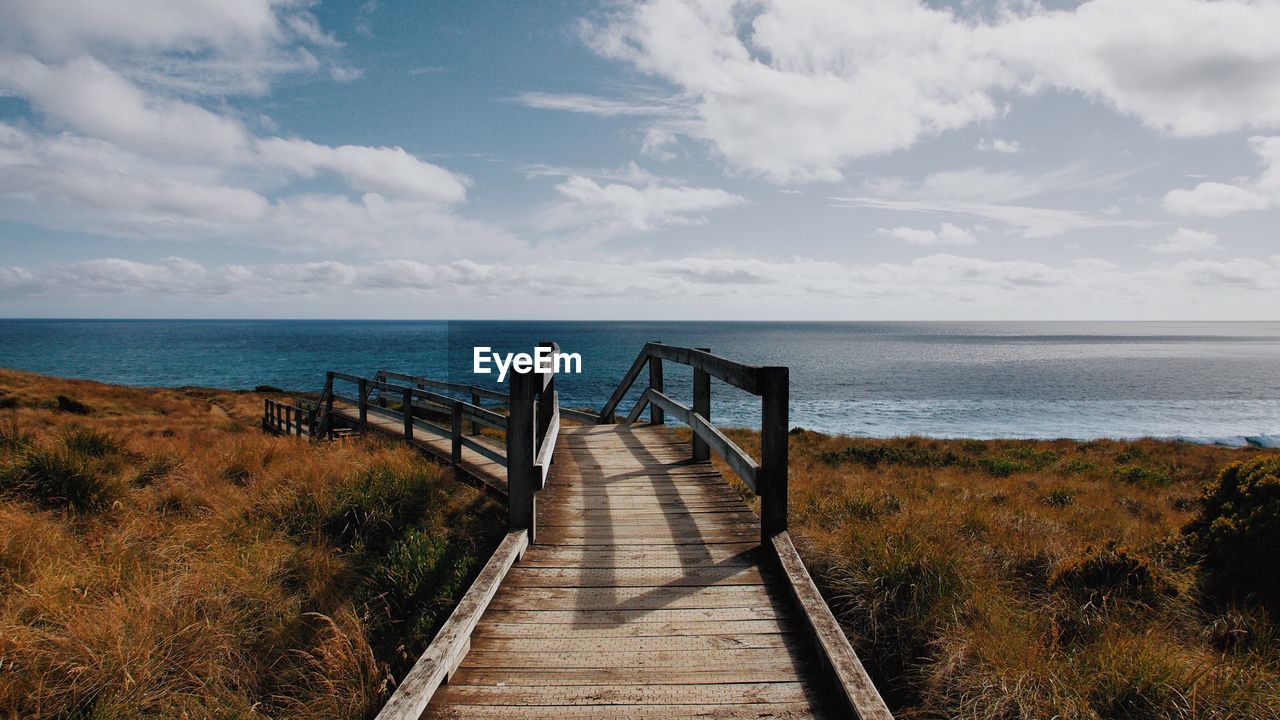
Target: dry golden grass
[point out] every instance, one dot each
(161, 557)
(1012, 579)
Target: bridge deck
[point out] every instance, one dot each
(647, 594)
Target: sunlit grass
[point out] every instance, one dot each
(1024, 579)
(161, 557)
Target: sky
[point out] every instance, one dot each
(655, 159)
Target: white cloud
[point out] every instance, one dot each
(794, 90)
(730, 282)
(1184, 240)
(591, 105)
(192, 45)
(946, 234)
(604, 211)
(1008, 147)
(86, 95)
(1215, 199)
(388, 171)
(995, 196)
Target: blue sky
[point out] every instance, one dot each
(809, 159)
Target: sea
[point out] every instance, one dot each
(1200, 381)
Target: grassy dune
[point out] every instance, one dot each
(1011, 579)
(161, 557)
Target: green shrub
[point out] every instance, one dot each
(1238, 528)
(875, 455)
(416, 582)
(1143, 476)
(1058, 497)
(59, 477)
(1078, 466)
(366, 511)
(1002, 466)
(89, 442)
(1033, 458)
(1104, 576)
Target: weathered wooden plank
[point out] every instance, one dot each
(622, 616)
(758, 711)
(725, 659)
(542, 677)
(641, 577)
(705, 694)
(633, 598)
(450, 644)
(673, 643)
(619, 630)
(857, 690)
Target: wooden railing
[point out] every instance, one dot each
(532, 427)
(282, 419)
(767, 478)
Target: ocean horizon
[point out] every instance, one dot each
(1201, 381)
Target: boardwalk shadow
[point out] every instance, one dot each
(693, 553)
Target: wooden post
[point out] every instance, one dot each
(279, 416)
(328, 403)
(311, 422)
(702, 406)
(521, 511)
(656, 415)
(406, 409)
(771, 481)
(475, 426)
(455, 434)
(362, 402)
(266, 414)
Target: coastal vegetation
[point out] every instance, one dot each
(1063, 579)
(162, 557)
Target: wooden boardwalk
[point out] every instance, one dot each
(646, 595)
(633, 580)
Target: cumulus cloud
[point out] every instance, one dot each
(946, 234)
(1008, 147)
(1000, 197)
(190, 45)
(592, 105)
(602, 211)
(789, 283)
(793, 90)
(1184, 240)
(1215, 199)
(117, 153)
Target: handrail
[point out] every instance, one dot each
(533, 427)
(742, 464)
(768, 478)
(441, 385)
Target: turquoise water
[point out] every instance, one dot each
(1082, 380)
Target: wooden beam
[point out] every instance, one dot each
(855, 686)
(774, 438)
(701, 406)
(735, 457)
(740, 375)
(406, 409)
(607, 412)
(521, 511)
(450, 644)
(655, 382)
